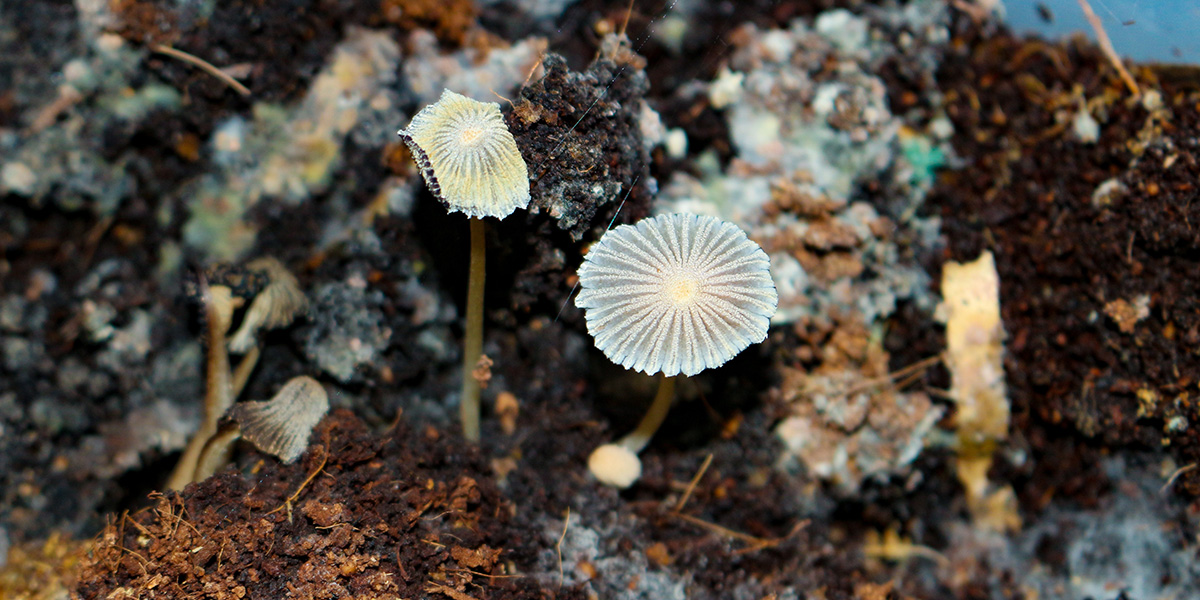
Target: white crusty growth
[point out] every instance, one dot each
(468, 157)
(676, 294)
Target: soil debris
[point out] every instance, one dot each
(384, 517)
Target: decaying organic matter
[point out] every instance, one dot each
(863, 144)
(360, 515)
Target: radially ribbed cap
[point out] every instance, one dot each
(468, 157)
(677, 293)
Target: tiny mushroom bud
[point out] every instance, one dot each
(675, 294)
(615, 465)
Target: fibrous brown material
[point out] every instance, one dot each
(359, 516)
(450, 19)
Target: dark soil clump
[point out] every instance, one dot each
(1097, 243)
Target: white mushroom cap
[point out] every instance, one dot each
(615, 465)
(676, 294)
(468, 157)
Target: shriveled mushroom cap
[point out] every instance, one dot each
(277, 305)
(468, 157)
(283, 424)
(676, 294)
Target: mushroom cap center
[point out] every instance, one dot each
(470, 136)
(683, 288)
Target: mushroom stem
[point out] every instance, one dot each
(216, 451)
(242, 373)
(218, 395)
(473, 341)
(637, 439)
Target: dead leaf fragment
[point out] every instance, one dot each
(1126, 314)
(483, 371)
(507, 409)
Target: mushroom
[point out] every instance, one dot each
(471, 163)
(277, 301)
(675, 294)
(280, 426)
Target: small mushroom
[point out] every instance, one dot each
(280, 426)
(471, 163)
(675, 294)
(223, 290)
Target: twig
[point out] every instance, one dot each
(695, 480)
(771, 543)
(558, 546)
(141, 528)
(1107, 47)
(916, 367)
(754, 544)
(288, 503)
(532, 70)
(497, 94)
(485, 574)
(713, 527)
(142, 562)
(400, 566)
(628, 16)
(1176, 474)
(204, 66)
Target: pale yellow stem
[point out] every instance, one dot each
(218, 395)
(638, 438)
(473, 340)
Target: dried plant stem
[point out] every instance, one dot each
(694, 482)
(204, 65)
(638, 438)
(1107, 47)
(473, 340)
